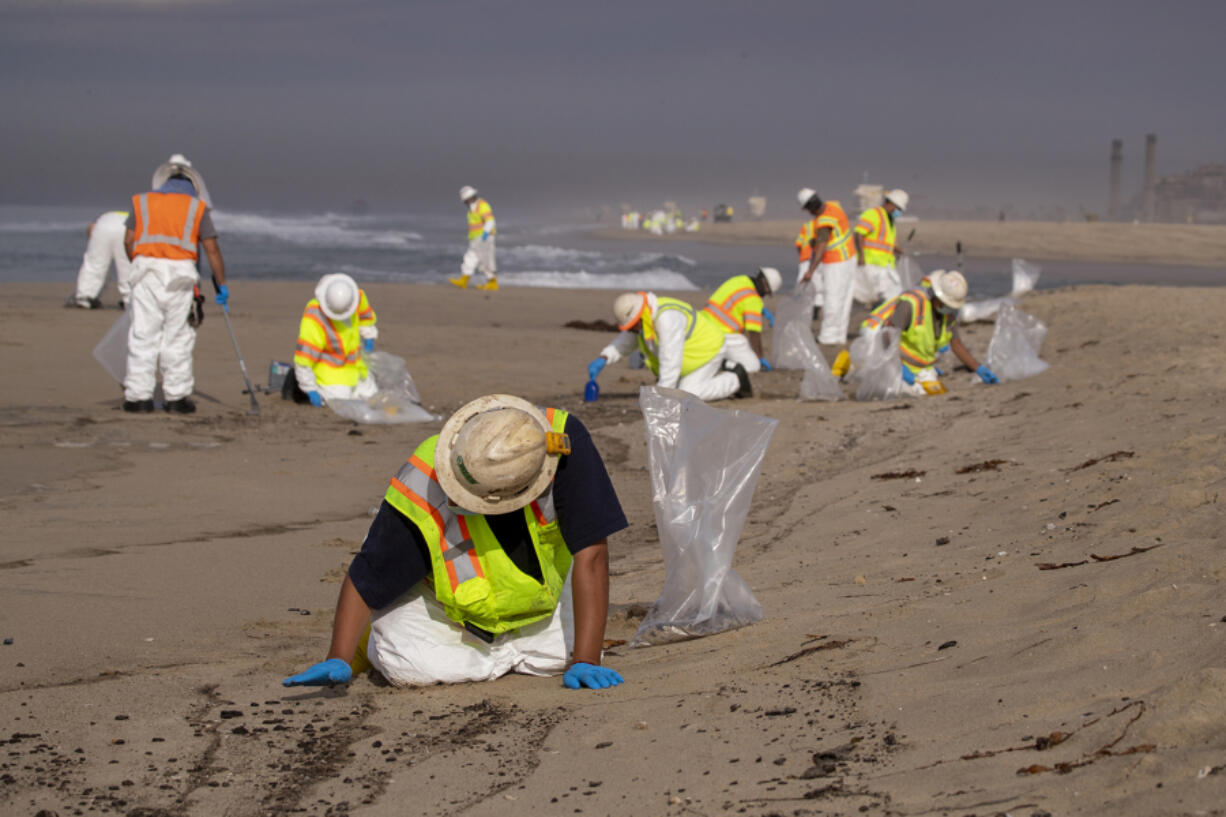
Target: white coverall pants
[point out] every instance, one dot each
(875, 285)
(738, 350)
(160, 336)
(413, 643)
(818, 288)
(838, 280)
(479, 257)
(105, 246)
(362, 390)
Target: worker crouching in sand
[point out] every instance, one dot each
(738, 310)
(337, 327)
(488, 555)
(682, 346)
(927, 317)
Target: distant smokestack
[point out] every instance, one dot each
(1151, 176)
(1117, 161)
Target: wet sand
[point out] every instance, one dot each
(1032, 621)
(1160, 244)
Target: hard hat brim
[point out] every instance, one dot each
(166, 170)
(457, 491)
(321, 291)
(634, 319)
(937, 280)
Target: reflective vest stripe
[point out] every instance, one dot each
(691, 316)
(453, 541)
(335, 357)
(185, 241)
(717, 312)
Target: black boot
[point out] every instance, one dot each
(183, 405)
(138, 406)
(746, 390)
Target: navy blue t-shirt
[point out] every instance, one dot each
(394, 555)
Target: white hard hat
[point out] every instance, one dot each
(899, 197)
(949, 286)
(805, 194)
(338, 296)
(773, 278)
(628, 308)
(496, 454)
(467, 192)
(178, 165)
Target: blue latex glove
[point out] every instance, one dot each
(985, 374)
(768, 316)
(223, 295)
(332, 671)
(485, 235)
(368, 344)
(595, 367)
(591, 676)
(940, 372)
(908, 376)
(766, 364)
(315, 398)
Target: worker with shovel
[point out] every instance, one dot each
(161, 239)
(488, 555)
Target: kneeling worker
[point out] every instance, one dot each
(337, 326)
(928, 320)
(738, 309)
(466, 564)
(103, 248)
(683, 346)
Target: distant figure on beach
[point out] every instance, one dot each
(337, 327)
(738, 310)
(927, 317)
(103, 247)
(876, 238)
(832, 253)
(481, 232)
(488, 555)
(161, 237)
(682, 346)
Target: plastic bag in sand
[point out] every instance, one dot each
(112, 350)
(818, 382)
(910, 273)
(396, 401)
(704, 465)
(1025, 276)
(1014, 351)
(875, 365)
(787, 352)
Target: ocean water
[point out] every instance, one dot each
(46, 243)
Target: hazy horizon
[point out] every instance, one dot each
(562, 107)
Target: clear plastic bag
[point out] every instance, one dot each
(1025, 277)
(1013, 353)
(818, 382)
(112, 350)
(910, 273)
(787, 349)
(704, 465)
(396, 401)
(875, 365)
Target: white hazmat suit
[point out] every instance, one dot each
(105, 246)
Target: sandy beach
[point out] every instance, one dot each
(1161, 244)
(1029, 622)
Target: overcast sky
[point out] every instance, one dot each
(311, 105)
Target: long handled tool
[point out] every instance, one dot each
(225, 313)
(959, 249)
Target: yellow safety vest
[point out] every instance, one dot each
(879, 234)
(703, 337)
(804, 240)
(333, 349)
(736, 306)
(477, 216)
(920, 342)
(472, 576)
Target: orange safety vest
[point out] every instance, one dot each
(167, 225)
(840, 246)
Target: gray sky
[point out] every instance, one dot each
(310, 105)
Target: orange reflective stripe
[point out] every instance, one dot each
(723, 317)
(472, 552)
(538, 513)
(420, 464)
(549, 416)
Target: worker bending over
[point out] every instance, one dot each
(488, 555)
(834, 252)
(682, 346)
(160, 239)
(481, 231)
(876, 238)
(927, 317)
(337, 326)
(738, 309)
(103, 247)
